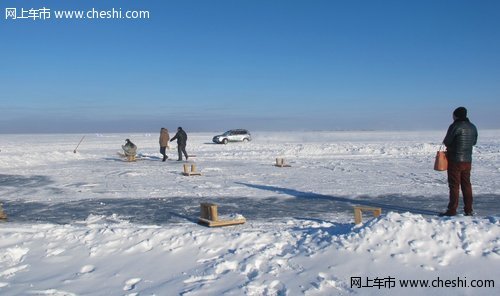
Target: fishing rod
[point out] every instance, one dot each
(74, 151)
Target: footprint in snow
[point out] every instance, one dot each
(10, 272)
(52, 292)
(130, 284)
(87, 269)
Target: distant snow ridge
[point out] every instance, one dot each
(355, 149)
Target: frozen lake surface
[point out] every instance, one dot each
(43, 180)
(76, 218)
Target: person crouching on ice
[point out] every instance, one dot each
(129, 148)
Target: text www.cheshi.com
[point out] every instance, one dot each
(45, 14)
(392, 282)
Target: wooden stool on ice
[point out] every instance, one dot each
(190, 172)
(3, 216)
(359, 209)
(210, 217)
(280, 162)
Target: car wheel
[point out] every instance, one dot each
(224, 141)
(245, 140)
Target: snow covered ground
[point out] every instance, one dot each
(89, 223)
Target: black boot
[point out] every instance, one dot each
(448, 213)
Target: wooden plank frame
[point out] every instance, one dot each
(280, 162)
(187, 171)
(221, 223)
(210, 217)
(358, 216)
(3, 216)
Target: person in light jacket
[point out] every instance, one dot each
(459, 140)
(164, 137)
(181, 138)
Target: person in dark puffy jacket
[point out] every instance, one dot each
(130, 149)
(460, 138)
(181, 138)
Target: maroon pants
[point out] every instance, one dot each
(459, 176)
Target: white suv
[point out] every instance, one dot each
(236, 135)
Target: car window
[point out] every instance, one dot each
(235, 132)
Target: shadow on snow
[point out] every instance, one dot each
(485, 204)
(33, 181)
(295, 204)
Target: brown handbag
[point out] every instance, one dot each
(441, 162)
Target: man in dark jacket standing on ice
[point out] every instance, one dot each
(181, 138)
(460, 138)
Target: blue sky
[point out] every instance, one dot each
(263, 65)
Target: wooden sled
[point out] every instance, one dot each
(280, 162)
(129, 158)
(210, 217)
